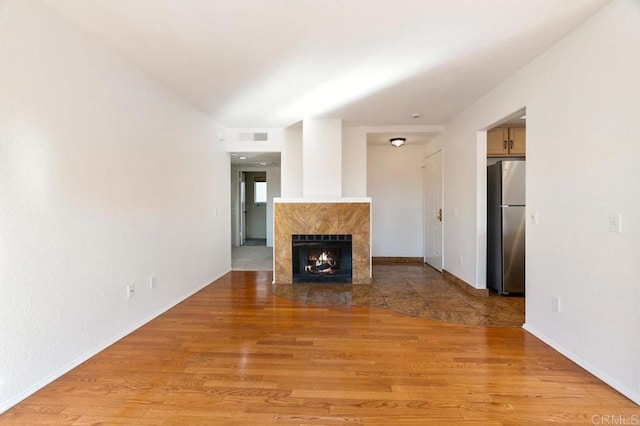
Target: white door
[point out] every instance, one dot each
(433, 210)
(243, 209)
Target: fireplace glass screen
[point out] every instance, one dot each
(321, 258)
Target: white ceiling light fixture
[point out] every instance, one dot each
(397, 142)
(242, 158)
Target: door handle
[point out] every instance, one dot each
(439, 217)
(510, 145)
(504, 144)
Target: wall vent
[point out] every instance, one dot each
(253, 136)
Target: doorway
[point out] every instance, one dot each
(505, 206)
(253, 174)
(254, 208)
(252, 253)
(432, 173)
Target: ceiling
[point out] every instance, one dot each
(518, 118)
(412, 138)
(271, 63)
(259, 160)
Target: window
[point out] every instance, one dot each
(260, 190)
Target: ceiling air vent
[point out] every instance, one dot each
(253, 136)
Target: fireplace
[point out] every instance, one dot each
(346, 216)
(321, 258)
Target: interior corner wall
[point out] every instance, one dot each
(395, 186)
(582, 99)
(106, 179)
(291, 162)
(274, 189)
(234, 200)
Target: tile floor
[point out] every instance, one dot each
(415, 290)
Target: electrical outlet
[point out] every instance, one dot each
(131, 291)
(460, 260)
(153, 283)
(555, 303)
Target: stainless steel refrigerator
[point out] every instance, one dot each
(506, 221)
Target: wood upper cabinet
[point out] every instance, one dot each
(517, 141)
(497, 141)
(506, 142)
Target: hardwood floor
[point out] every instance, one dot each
(236, 354)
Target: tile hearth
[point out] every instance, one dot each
(415, 290)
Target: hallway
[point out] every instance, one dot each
(252, 258)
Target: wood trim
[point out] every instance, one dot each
(381, 260)
(465, 286)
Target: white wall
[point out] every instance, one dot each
(354, 153)
(273, 191)
(321, 158)
(432, 146)
(291, 162)
(233, 143)
(106, 179)
(394, 177)
(235, 206)
(354, 162)
(583, 128)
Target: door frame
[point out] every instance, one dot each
(242, 198)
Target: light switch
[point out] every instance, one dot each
(534, 217)
(615, 223)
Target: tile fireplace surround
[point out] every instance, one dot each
(303, 216)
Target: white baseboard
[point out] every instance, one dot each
(5, 405)
(626, 391)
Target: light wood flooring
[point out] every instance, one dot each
(234, 353)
